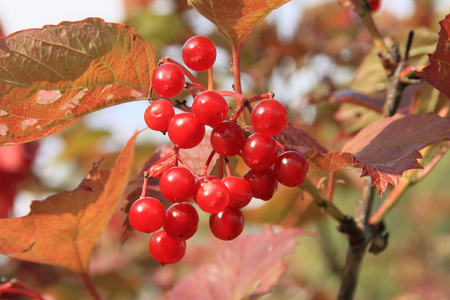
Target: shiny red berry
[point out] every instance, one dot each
(185, 131)
(165, 249)
(260, 152)
(241, 192)
(263, 182)
(227, 224)
(158, 115)
(228, 138)
(291, 168)
(168, 80)
(210, 108)
(147, 215)
(269, 117)
(213, 196)
(181, 221)
(199, 53)
(177, 184)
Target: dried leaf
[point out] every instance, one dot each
(62, 229)
(50, 77)
(236, 18)
(437, 72)
(246, 267)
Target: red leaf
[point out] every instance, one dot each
(50, 77)
(244, 268)
(437, 72)
(236, 18)
(388, 147)
(295, 138)
(62, 229)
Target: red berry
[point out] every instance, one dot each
(291, 168)
(199, 53)
(177, 184)
(228, 138)
(181, 221)
(263, 182)
(210, 108)
(147, 214)
(158, 115)
(166, 250)
(228, 224)
(260, 152)
(374, 5)
(168, 80)
(241, 192)
(269, 117)
(185, 131)
(201, 182)
(213, 197)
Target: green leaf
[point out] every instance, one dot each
(50, 77)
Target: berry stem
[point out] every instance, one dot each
(236, 69)
(144, 187)
(186, 72)
(90, 286)
(190, 87)
(227, 167)
(17, 288)
(207, 163)
(210, 79)
(237, 114)
(235, 95)
(280, 145)
(326, 204)
(268, 95)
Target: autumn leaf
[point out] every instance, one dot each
(243, 268)
(438, 71)
(50, 77)
(62, 229)
(236, 18)
(295, 138)
(386, 148)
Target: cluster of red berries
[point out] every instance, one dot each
(220, 196)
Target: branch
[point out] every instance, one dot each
(326, 204)
(359, 237)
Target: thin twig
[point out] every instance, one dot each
(326, 204)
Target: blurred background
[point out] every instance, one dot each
(304, 52)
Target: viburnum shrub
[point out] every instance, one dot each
(237, 155)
